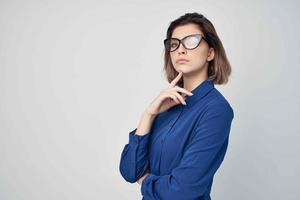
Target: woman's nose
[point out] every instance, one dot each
(181, 49)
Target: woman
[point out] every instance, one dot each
(182, 136)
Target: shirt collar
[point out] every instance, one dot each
(199, 91)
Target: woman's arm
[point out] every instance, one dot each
(145, 124)
(134, 158)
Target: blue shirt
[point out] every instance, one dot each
(184, 148)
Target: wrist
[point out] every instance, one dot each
(149, 114)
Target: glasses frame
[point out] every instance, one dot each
(180, 41)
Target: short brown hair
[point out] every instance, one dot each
(219, 68)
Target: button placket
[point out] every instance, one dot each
(176, 118)
(167, 133)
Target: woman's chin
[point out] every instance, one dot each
(183, 68)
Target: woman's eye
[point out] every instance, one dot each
(192, 40)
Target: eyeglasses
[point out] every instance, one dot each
(189, 42)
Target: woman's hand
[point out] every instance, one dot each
(142, 178)
(168, 97)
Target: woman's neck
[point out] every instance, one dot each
(191, 81)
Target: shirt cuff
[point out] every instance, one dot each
(138, 140)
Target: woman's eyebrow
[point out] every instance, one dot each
(186, 36)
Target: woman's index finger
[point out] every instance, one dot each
(176, 79)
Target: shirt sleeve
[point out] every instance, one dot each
(134, 157)
(134, 160)
(201, 159)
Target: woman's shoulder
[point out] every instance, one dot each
(218, 103)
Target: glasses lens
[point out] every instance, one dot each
(192, 41)
(171, 44)
(189, 42)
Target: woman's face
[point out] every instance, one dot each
(197, 58)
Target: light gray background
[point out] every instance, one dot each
(75, 77)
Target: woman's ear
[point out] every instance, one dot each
(211, 54)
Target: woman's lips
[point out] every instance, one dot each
(182, 61)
